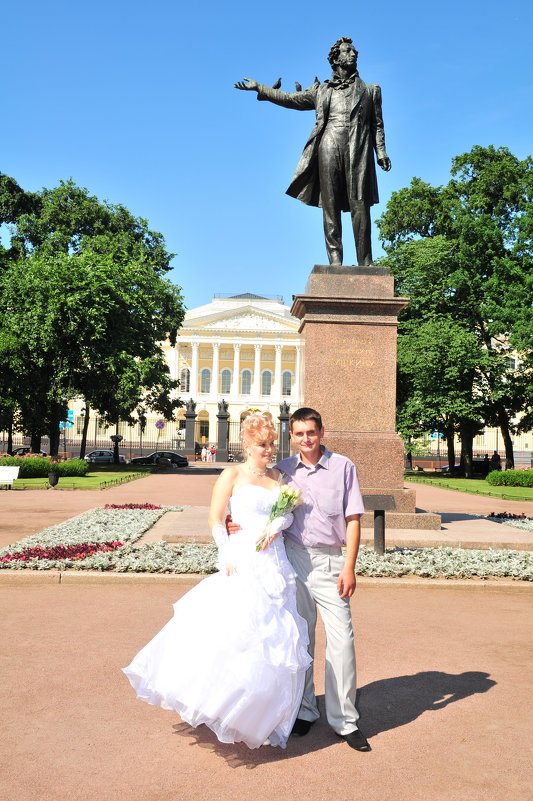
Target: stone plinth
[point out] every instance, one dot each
(349, 320)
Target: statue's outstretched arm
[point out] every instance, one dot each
(301, 101)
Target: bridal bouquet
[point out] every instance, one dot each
(287, 500)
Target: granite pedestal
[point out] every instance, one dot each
(349, 320)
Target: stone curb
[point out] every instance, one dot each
(77, 577)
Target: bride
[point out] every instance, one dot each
(234, 655)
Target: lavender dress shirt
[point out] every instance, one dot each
(330, 492)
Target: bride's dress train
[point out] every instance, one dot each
(234, 655)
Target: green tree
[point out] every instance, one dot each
(463, 254)
(84, 307)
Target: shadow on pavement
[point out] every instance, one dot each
(385, 704)
(453, 517)
(389, 703)
(238, 755)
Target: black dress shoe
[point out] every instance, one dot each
(301, 727)
(356, 739)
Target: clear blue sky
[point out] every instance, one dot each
(135, 101)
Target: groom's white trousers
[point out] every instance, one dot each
(317, 571)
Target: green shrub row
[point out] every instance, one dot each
(511, 478)
(40, 466)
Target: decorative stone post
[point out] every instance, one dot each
(190, 425)
(223, 432)
(283, 448)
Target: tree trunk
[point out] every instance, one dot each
(85, 430)
(451, 449)
(35, 441)
(55, 419)
(503, 418)
(467, 443)
(10, 437)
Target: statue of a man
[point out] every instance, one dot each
(337, 170)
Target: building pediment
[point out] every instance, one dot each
(246, 319)
(252, 322)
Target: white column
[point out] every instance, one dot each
(215, 370)
(276, 391)
(296, 393)
(174, 368)
(256, 386)
(236, 367)
(194, 370)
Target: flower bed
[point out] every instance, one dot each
(510, 519)
(131, 506)
(80, 551)
(102, 534)
(31, 466)
(103, 539)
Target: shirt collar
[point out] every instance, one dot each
(322, 462)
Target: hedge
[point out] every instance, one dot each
(511, 478)
(40, 466)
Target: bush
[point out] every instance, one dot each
(73, 467)
(40, 466)
(511, 478)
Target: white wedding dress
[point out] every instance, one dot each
(234, 655)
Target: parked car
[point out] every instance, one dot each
(103, 457)
(479, 467)
(159, 457)
(22, 451)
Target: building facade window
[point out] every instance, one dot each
(266, 382)
(185, 380)
(205, 380)
(225, 382)
(203, 430)
(286, 382)
(246, 382)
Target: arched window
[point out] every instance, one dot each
(225, 382)
(185, 380)
(246, 382)
(266, 382)
(205, 380)
(286, 383)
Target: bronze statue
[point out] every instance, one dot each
(337, 170)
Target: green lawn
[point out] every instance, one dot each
(97, 478)
(474, 486)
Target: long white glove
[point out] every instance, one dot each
(280, 523)
(272, 530)
(220, 535)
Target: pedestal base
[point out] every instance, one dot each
(349, 318)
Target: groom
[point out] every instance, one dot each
(327, 520)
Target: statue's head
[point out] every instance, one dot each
(343, 54)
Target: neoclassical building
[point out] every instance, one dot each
(244, 349)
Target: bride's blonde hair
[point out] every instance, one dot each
(256, 427)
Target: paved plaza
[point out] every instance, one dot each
(444, 670)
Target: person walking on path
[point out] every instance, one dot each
(327, 520)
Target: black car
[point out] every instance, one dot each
(24, 450)
(161, 458)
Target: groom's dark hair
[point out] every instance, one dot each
(305, 413)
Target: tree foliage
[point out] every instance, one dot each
(84, 306)
(463, 253)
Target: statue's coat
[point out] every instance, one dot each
(366, 135)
